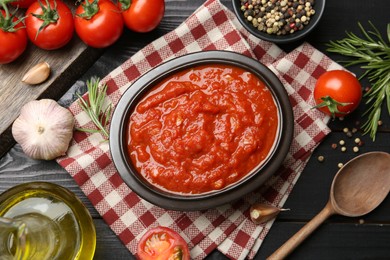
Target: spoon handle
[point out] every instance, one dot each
(302, 234)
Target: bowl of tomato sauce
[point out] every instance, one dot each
(201, 130)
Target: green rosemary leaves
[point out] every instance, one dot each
(372, 53)
(94, 105)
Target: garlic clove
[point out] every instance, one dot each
(37, 74)
(261, 213)
(43, 129)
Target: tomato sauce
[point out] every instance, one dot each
(202, 129)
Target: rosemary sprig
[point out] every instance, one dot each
(94, 107)
(372, 53)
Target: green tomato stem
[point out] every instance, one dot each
(125, 4)
(90, 9)
(332, 105)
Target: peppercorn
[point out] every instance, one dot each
(290, 16)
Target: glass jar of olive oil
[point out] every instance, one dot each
(42, 220)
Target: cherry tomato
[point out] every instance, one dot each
(98, 23)
(13, 38)
(162, 243)
(49, 24)
(337, 93)
(142, 15)
(22, 3)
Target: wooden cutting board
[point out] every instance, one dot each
(67, 65)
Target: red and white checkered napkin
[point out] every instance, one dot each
(228, 228)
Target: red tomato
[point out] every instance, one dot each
(337, 93)
(98, 23)
(49, 26)
(142, 15)
(22, 3)
(162, 243)
(12, 42)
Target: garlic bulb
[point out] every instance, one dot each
(43, 129)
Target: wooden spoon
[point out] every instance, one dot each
(358, 188)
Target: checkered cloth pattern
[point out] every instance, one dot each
(227, 228)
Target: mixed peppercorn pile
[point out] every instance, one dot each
(278, 17)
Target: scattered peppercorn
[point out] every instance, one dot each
(334, 146)
(340, 165)
(321, 158)
(278, 17)
(346, 130)
(380, 122)
(342, 142)
(343, 149)
(355, 149)
(357, 140)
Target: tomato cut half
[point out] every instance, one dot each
(162, 243)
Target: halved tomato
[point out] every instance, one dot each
(162, 243)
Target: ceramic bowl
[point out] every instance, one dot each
(319, 7)
(183, 202)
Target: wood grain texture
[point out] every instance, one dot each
(331, 241)
(67, 65)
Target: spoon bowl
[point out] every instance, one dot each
(361, 185)
(357, 189)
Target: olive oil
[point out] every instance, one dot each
(58, 226)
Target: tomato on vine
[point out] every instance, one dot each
(337, 93)
(98, 23)
(162, 243)
(49, 25)
(22, 3)
(142, 15)
(13, 36)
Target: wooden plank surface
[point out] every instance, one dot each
(67, 65)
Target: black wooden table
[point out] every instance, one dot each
(339, 237)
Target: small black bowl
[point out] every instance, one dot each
(184, 202)
(319, 7)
